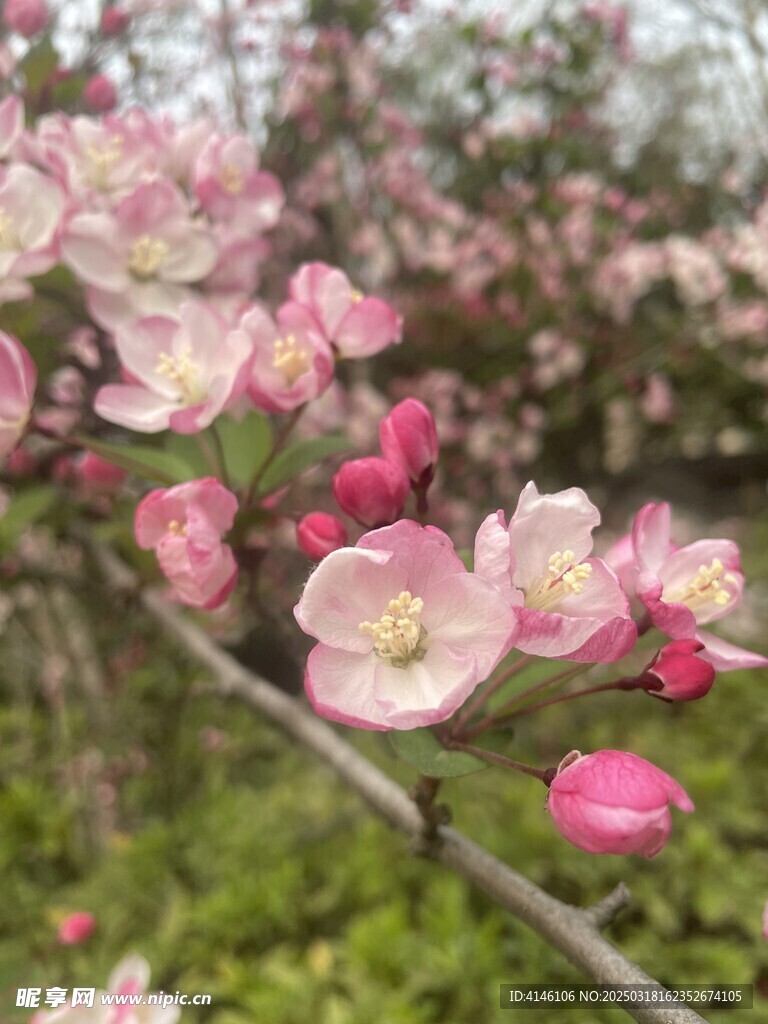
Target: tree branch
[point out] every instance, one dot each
(572, 931)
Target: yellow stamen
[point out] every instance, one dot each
(146, 256)
(398, 634)
(177, 529)
(290, 359)
(232, 179)
(356, 296)
(184, 372)
(9, 240)
(706, 586)
(563, 578)
(101, 160)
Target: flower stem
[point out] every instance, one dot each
(492, 718)
(627, 683)
(279, 443)
(492, 687)
(506, 762)
(210, 456)
(222, 458)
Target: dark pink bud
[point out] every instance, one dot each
(408, 436)
(373, 491)
(319, 534)
(114, 21)
(76, 928)
(683, 676)
(27, 17)
(100, 475)
(100, 94)
(614, 802)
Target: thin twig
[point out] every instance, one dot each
(572, 931)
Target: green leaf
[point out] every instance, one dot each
(39, 64)
(151, 463)
(26, 507)
(421, 748)
(186, 448)
(247, 444)
(298, 458)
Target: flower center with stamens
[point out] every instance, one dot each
(398, 635)
(356, 296)
(9, 240)
(290, 359)
(146, 256)
(101, 159)
(184, 372)
(705, 587)
(232, 179)
(563, 577)
(177, 529)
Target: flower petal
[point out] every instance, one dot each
(339, 685)
(427, 691)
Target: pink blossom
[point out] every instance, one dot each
(138, 258)
(683, 675)
(355, 325)
(186, 372)
(406, 633)
(27, 17)
(690, 586)
(293, 362)
(31, 207)
(373, 491)
(567, 605)
(18, 378)
(231, 188)
(184, 526)
(129, 978)
(319, 533)
(76, 928)
(614, 802)
(100, 94)
(408, 436)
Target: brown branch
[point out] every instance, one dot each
(572, 931)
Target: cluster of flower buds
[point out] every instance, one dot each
(373, 491)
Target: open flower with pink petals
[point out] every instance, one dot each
(139, 258)
(18, 377)
(186, 371)
(614, 802)
(231, 187)
(684, 588)
(356, 326)
(184, 525)
(129, 979)
(292, 363)
(31, 208)
(406, 633)
(567, 605)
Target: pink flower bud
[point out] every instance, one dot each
(319, 534)
(372, 491)
(76, 928)
(614, 802)
(18, 377)
(27, 17)
(100, 94)
(408, 436)
(682, 674)
(99, 475)
(114, 21)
